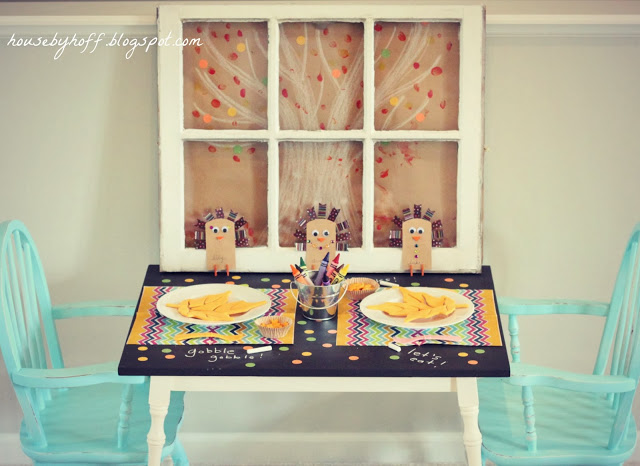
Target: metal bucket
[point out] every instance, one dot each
(318, 302)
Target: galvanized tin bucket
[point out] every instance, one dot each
(318, 302)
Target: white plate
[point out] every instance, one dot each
(238, 293)
(393, 295)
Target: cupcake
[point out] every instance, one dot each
(274, 326)
(359, 287)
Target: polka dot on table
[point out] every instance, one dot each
(415, 284)
(142, 358)
(284, 348)
(232, 112)
(448, 280)
(189, 280)
(308, 331)
(327, 345)
(166, 280)
(480, 351)
(230, 282)
(265, 279)
(311, 339)
(244, 284)
(142, 348)
(170, 356)
(250, 364)
(395, 357)
(463, 355)
(463, 285)
(302, 322)
(394, 101)
(286, 280)
(241, 47)
(333, 332)
(236, 277)
(473, 362)
(306, 353)
(353, 358)
(276, 286)
(296, 361)
(301, 40)
(166, 350)
(247, 347)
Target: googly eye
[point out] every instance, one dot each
(420, 231)
(412, 230)
(225, 229)
(315, 233)
(215, 229)
(325, 232)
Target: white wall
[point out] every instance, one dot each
(78, 165)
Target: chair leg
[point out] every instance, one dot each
(179, 455)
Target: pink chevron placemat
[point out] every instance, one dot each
(152, 328)
(480, 329)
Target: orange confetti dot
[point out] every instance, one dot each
(473, 362)
(420, 117)
(170, 356)
(230, 282)
(332, 331)
(353, 358)
(203, 63)
(247, 347)
(335, 73)
(448, 280)
(276, 286)
(296, 361)
(286, 280)
(207, 118)
(327, 345)
(344, 53)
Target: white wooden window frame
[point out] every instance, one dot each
(466, 256)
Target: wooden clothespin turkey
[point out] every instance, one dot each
(322, 235)
(222, 235)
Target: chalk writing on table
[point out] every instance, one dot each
(426, 357)
(220, 354)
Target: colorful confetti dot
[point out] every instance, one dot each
(244, 284)
(463, 285)
(230, 282)
(436, 71)
(285, 94)
(327, 345)
(463, 355)
(416, 65)
(296, 361)
(236, 277)
(212, 149)
(386, 53)
(166, 280)
(196, 114)
(311, 338)
(402, 37)
(336, 73)
(473, 362)
(333, 331)
(237, 149)
(142, 348)
(443, 104)
(353, 358)
(170, 356)
(306, 353)
(319, 77)
(215, 103)
(378, 27)
(212, 71)
(286, 280)
(448, 280)
(265, 81)
(265, 279)
(233, 56)
(207, 118)
(382, 66)
(309, 331)
(276, 286)
(420, 117)
(188, 280)
(232, 112)
(250, 364)
(284, 348)
(394, 101)
(247, 347)
(142, 358)
(302, 322)
(415, 284)
(166, 350)
(385, 173)
(301, 40)
(395, 357)
(203, 63)
(480, 351)
(430, 93)
(241, 47)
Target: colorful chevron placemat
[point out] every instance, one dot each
(480, 329)
(152, 328)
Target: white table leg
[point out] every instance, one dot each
(467, 388)
(159, 395)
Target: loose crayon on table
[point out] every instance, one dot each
(340, 275)
(334, 272)
(333, 265)
(322, 270)
(297, 276)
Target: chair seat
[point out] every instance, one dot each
(71, 419)
(572, 427)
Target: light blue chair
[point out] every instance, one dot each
(542, 416)
(82, 415)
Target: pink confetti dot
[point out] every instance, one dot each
(322, 127)
(251, 150)
(319, 77)
(212, 71)
(227, 37)
(325, 31)
(430, 93)
(285, 93)
(333, 332)
(222, 87)
(379, 227)
(233, 56)
(416, 65)
(347, 38)
(197, 49)
(436, 71)
(359, 104)
(212, 149)
(384, 111)
(228, 25)
(379, 160)
(215, 103)
(449, 45)
(243, 93)
(327, 345)
(199, 30)
(402, 37)
(443, 104)
(333, 44)
(384, 174)
(378, 27)
(344, 69)
(236, 80)
(239, 33)
(236, 158)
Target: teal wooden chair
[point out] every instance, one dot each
(542, 416)
(82, 415)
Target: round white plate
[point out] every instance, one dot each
(238, 293)
(393, 295)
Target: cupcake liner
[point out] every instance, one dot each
(279, 332)
(361, 294)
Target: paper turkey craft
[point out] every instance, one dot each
(417, 237)
(322, 235)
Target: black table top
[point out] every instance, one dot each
(428, 360)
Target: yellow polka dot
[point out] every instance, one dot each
(236, 277)
(232, 112)
(301, 40)
(464, 285)
(308, 331)
(203, 63)
(241, 47)
(188, 280)
(463, 355)
(286, 280)
(306, 353)
(206, 118)
(381, 66)
(420, 117)
(394, 101)
(336, 73)
(142, 348)
(353, 358)
(142, 358)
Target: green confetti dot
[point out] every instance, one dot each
(284, 348)
(302, 322)
(166, 280)
(415, 284)
(244, 284)
(265, 80)
(311, 339)
(237, 149)
(385, 143)
(480, 351)
(394, 357)
(386, 53)
(250, 364)
(265, 279)
(166, 350)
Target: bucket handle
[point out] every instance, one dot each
(317, 308)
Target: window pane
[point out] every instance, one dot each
(230, 175)
(415, 173)
(320, 172)
(417, 70)
(225, 79)
(321, 76)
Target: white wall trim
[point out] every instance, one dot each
(497, 25)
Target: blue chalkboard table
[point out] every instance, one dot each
(346, 354)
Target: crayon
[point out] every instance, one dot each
(340, 275)
(326, 281)
(299, 277)
(321, 271)
(335, 272)
(303, 266)
(333, 265)
(305, 274)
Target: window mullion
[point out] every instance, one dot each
(273, 125)
(367, 150)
